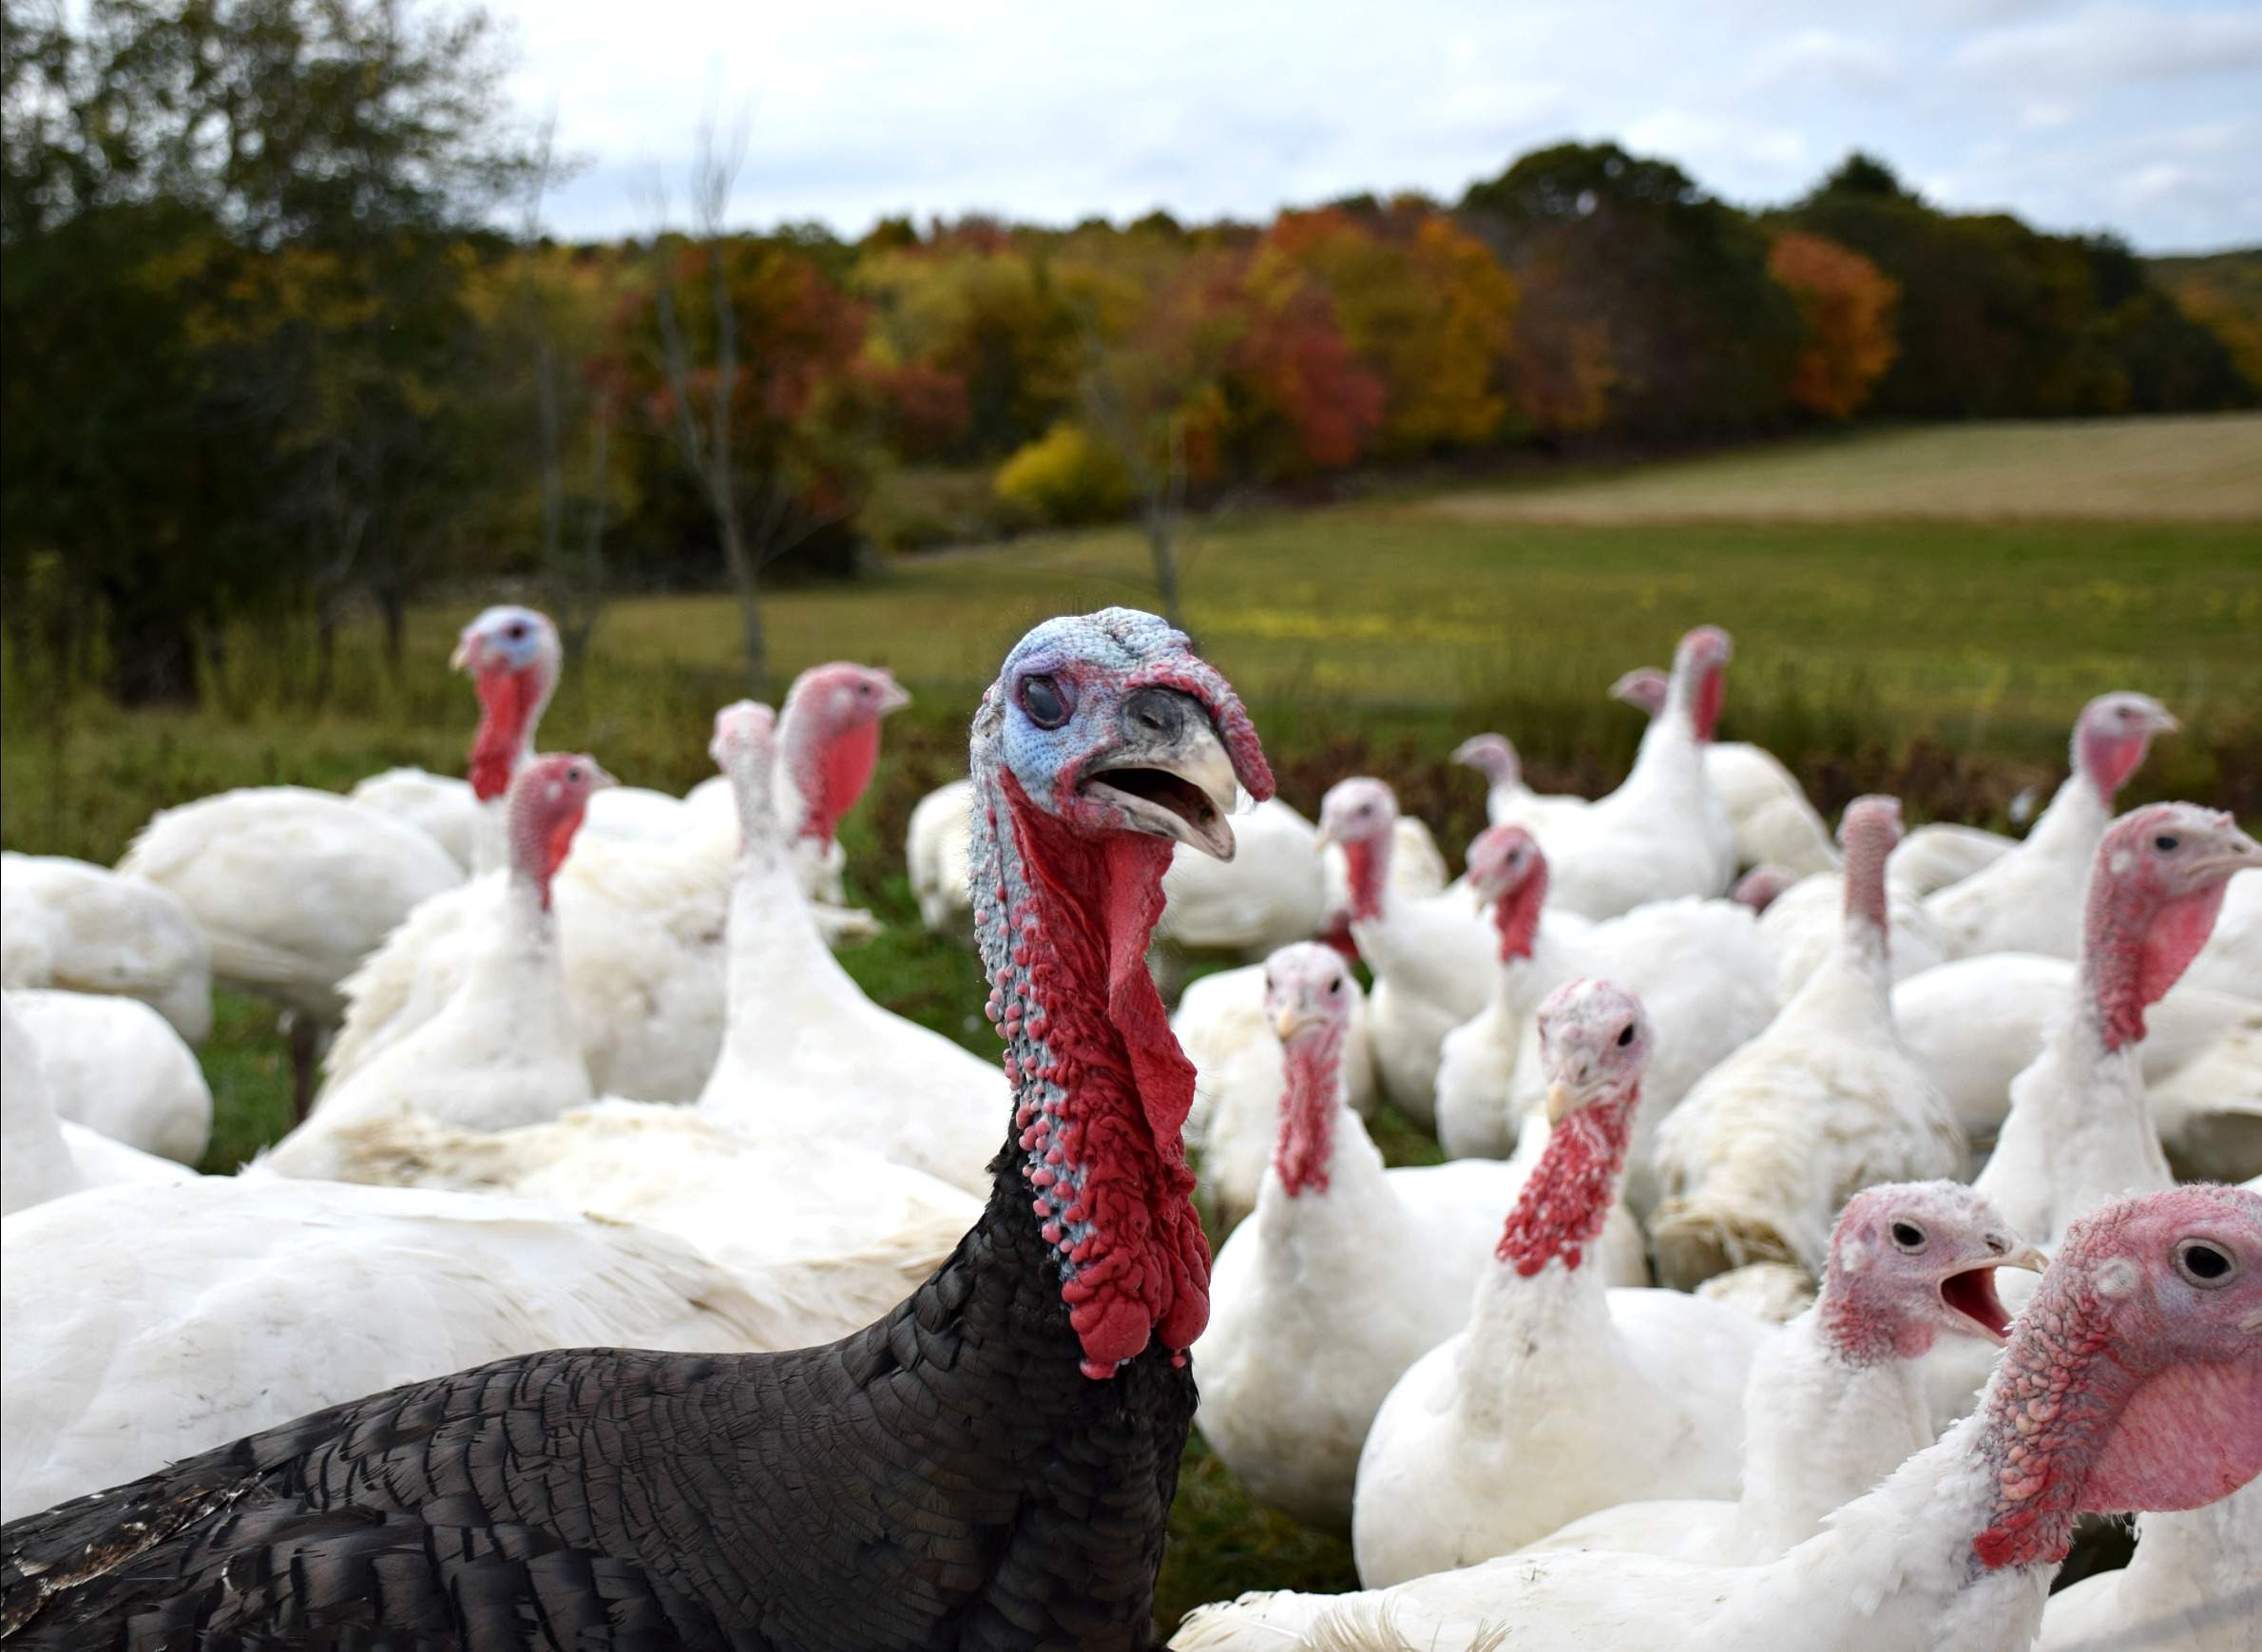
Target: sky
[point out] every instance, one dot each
(2143, 116)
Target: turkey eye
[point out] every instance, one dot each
(1625, 1035)
(2165, 843)
(514, 629)
(1907, 1236)
(1040, 696)
(2206, 1266)
(1336, 984)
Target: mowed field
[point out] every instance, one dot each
(1918, 611)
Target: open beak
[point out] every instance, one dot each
(1971, 1295)
(2028, 1256)
(1169, 773)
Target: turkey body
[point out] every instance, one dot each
(829, 1497)
(292, 887)
(115, 1066)
(443, 807)
(86, 928)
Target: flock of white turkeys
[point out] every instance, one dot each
(1678, 1348)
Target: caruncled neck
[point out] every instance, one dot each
(1367, 871)
(1569, 1194)
(830, 773)
(2047, 1413)
(1516, 915)
(1100, 1088)
(2136, 947)
(511, 706)
(1313, 1096)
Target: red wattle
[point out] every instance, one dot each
(836, 777)
(1567, 1197)
(507, 703)
(1709, 695)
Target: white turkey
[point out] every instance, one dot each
(240, 1303)
(117, 1066)
(836, 1233)
(1346, 1273)
(1431, 956)
(1942, 852)
(1703, 973)
(1224, 1025)
(2192, 1587)
(42, 1157)
(1561, 1396)
(1800, 925)
(1976, 1022)
(1765, 1148)
(1836, 1402)
(2030, 899)
(937, 855)
(2080, 1128)
(502, 1051)
(2208, 1110)
(2141, 1339)
(808, 1054)
(643, 924)
(1271, 893)
(293, 888)
(1774, 823)
(441, 806)
(1507, 801)
(1663, 832)
(100, 931)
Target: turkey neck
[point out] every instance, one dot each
(1324, 1176)
(1820, 1429)
(2081, 1129)
(1095, 1163)
(1546, 1290)
(1855, 986)
(781, 976)
(511, 708)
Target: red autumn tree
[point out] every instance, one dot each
(1846, 309)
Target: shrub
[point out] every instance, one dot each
(1066, 475)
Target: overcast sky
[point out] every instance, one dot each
(2140, 116)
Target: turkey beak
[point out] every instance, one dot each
(893, 697)
(1292, 1021)
(1169, 773)
(599, 780)
(1559, 1103)
(469, 653)
(2027, 1256)
(2236, 853)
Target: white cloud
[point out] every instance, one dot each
(1048, 113)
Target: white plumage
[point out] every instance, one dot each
(243, 1303)
(115, 1066)
(86, 928)
(1756, 1161)
(1704, 976)
(1956, 1549)
(1338, 1242)
(1507, 801)
(43, 1158)
(938, 857)
(1663, 832)
(1561, 1396)
(1222, 1025)
(1800, 926)
(292, 888)
(1835, 1401)
(1271, 893)
(1431, 956)
(502, 1051)
(440, 806)
(812, 1056)
(2030, 899)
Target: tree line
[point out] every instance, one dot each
(283, 339)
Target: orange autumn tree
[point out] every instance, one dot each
(1424, 306)
(1846, 308)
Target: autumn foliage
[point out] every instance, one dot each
(1845, 304)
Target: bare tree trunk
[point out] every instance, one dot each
(1166, 508)
(581, 622)
(392, 609)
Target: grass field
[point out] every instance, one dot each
(1918, 611)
